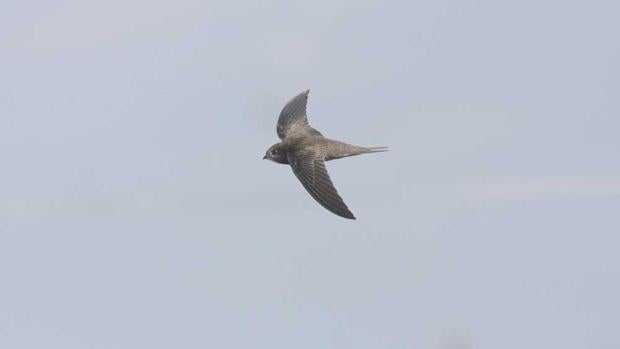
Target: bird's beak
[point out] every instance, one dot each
(264, 157)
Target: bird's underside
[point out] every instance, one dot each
(306, 150)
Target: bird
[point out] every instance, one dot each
(306, 150)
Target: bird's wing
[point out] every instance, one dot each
(293, 117)
(310, 169)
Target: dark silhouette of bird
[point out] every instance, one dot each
(306, 150)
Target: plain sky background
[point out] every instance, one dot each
(136, 211)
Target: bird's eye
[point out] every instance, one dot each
(275, 151)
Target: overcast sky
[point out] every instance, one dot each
(136, 211)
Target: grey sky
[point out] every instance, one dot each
(136, 212)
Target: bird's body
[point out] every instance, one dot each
(306, 150)
(327, 149)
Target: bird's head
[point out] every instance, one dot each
(275, 153)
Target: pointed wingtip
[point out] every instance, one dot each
(344, 213)
(348, 215)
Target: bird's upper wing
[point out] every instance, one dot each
(293, 117)
(310, 169)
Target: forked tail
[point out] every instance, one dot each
(337, 150)
(377, 149)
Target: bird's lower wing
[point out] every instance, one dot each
(311, 171)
